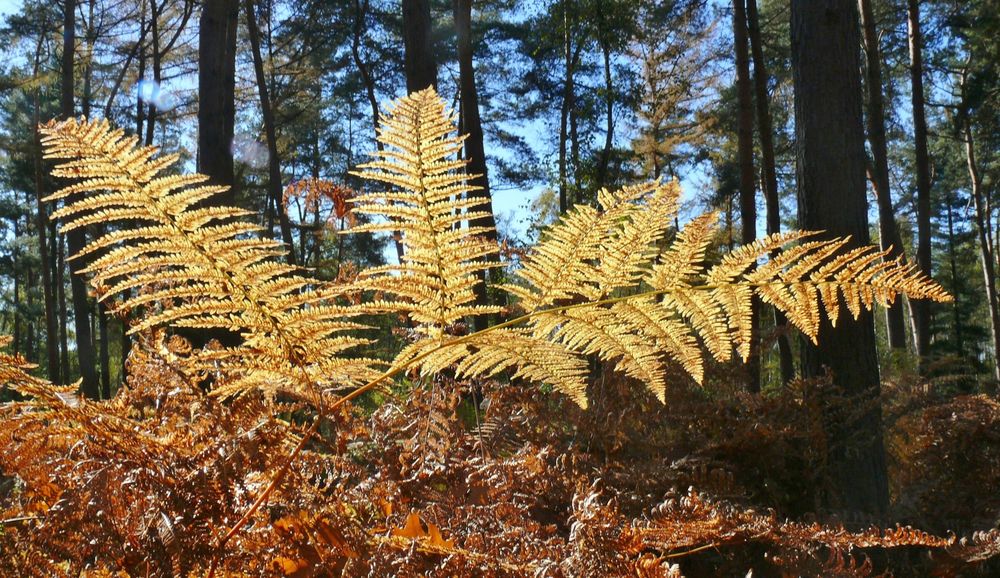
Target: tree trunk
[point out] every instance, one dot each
(274, 161)
(418, 58)
(888, 230)
(769, 182)
(748, 189)
(831, 181)
(154, 22)
(957, 283)
(475, 149)
(921, 308)
(42, 224)
(216, 92)
(985, 251)
(564, 110)
(61, 300)
(609, 117)
(75, 238)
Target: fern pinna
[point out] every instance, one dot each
(602, 281)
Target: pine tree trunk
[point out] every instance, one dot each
(75, 238)
(888, 230)
(475, 149)
(831, 181)
(61, 300)
(609, 118)
(985, 250)
(921, 308)
(154, 22)
(769, 182)
(273, 161)
(216, 92)
(418, 54)
(42, 224)
(748, 189)
(957, 282)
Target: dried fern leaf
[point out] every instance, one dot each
(428, 201)
(191, 265)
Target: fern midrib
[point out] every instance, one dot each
(429, 221)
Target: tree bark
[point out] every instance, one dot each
(609, 117)
(154, 23)
(42, 224)
(921, 308)
(769, 182)
(957, 282)
(889, 238)
(274, 160)
(831, 180)
(418, 54)
(986, 253)
(475, 149)
(564, 109)
(216, 92)
(75, 239)
(748, 189)
(61, 300)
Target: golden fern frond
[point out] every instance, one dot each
(627, 253)
(429, 200)
(194, 266)
(589, 252)
(597, 330)
(682, 302)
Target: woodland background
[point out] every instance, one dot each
(879, 119)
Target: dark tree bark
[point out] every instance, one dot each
(475, 150)
(921, 308)
(831, 180)
(981, 204)
(888, 230)
(216, 92)
(569, 64)
(274, 161)
(61, 300)
(769, 181)
(748, 189)
(42, 224)
(154, 23)
(957, 282)
(75, 238)
(604, 160)
(418, 59)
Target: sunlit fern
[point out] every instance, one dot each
(193, 264)
(602, 281)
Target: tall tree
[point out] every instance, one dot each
(889, 237)
(748, 189)
(982, 216)
(75, 238)
(921, 309)
(419, 60)
(42, 225)
(831, 182)
(216, 91)
(769, 173)
(270, 129)
(475, 150)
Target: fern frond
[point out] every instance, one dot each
(427, 205)
(598, 331)
(196, 266)
(589, 252)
